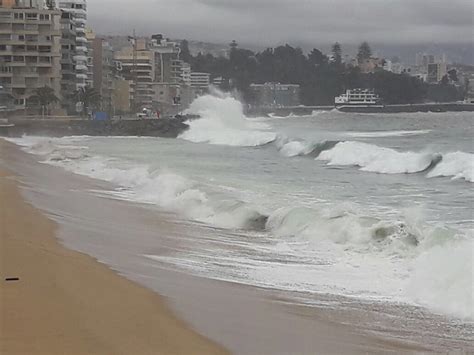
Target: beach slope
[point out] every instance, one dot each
(65, 302)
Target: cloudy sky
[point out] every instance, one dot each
(270, 22)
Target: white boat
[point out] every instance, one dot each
(358, 98)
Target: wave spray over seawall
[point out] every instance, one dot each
(223, 122)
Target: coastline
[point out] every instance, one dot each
(66, 302)
(244, 319)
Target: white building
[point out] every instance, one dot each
(200, 80)
(186, 74)
(78, 9)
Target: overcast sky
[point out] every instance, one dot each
(270, 22)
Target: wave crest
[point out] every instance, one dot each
(378, 159)
(458, 165)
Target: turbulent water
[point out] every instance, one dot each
(376, 207)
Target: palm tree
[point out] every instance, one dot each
(43, 97)
(88, 97)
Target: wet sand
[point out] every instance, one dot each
(243, 319)
(67, 303)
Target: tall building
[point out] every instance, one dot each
(90, 36)
(167, 64)
(29, 52)
(78, 11)
(138, 67)
(103, 70)
(68, 52)
(436, 71)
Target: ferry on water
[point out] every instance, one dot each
(358, 98)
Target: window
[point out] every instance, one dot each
(44, 17)
(32, 16)
(19, 16)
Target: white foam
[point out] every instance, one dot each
(458, 165)
(223, 122)
(381, 134)
(295, 148)
(376, 159)
(442, 279)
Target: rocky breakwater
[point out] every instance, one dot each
(163, 127)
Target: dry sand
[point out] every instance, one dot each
(67, 303)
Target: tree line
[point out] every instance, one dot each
(321, 77)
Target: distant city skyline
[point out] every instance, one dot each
(272, 22)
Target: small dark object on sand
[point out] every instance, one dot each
(12, 279)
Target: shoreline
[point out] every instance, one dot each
(66, 302)
(242, 318)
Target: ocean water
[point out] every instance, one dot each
(374, 207)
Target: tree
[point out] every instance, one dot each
(444, 80)
(88, 97)
(453, 75)
(337, 53)
(365, 52)
(43, 97)
(317, 58)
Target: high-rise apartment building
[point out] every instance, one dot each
(103, 70)
(68, 52)
(29, 51)
(78, 11)
(138, 67)
(90, 36)
(167, 64)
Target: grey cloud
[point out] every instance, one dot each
(267, 22)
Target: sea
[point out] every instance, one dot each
(375, 207)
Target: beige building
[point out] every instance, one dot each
(29, 52)
(120, 98)
(138, 67)
(103, 70)
(90, 36)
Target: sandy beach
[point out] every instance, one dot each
(66, 303)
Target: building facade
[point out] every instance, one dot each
(78, 11)
(436, 71)
(200, 81)
(166, 59)
(137, 67)
(68, 51)
(103, 68)
(30, 52)
(275, 95)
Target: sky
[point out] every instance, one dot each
(273, 22)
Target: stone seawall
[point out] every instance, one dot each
(307, 110)
(164, 127)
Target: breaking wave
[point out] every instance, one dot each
(302, 148)
(223, 122)
(438, 262)
(372, 158)
(458, 165)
